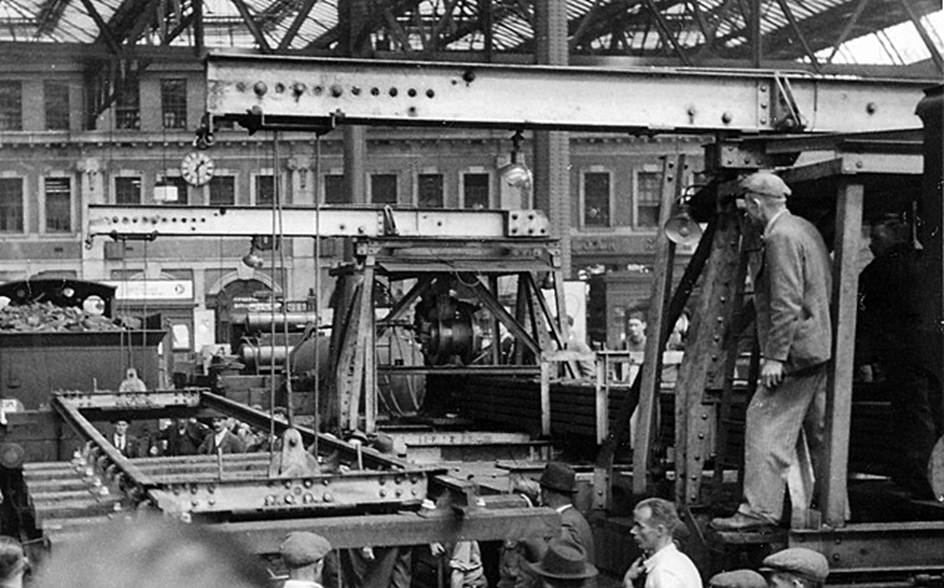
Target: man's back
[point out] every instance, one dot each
(793, 294)
(575, 526)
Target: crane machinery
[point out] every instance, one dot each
(751, 120)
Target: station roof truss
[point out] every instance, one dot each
(807, 33)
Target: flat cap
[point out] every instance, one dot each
(301, 548)
(799, 561)
(737, 579)
(765, 183)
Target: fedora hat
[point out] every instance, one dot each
(560, 477)
(564, 560)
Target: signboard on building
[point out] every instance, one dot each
(153, 289)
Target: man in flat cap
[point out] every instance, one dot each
(558, 486)
(737, 579)
(787, 413)
(303, 554)
(796, 567)
(564, 565)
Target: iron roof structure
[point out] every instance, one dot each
(814, 34)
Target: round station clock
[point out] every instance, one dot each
(196, 168)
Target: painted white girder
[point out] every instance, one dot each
(319, 92)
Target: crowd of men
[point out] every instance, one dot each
(192, 437)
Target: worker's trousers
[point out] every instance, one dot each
(774, 450)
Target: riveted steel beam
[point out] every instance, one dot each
(201, 221)
(274, 92)
(876, 547)
(404, 528)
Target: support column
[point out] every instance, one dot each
(352, 15)
(839, 390)
(552, 148)
(91, 191)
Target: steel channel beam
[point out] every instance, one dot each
(231, 221)
(257, 418)
(87, 431)
(259, 494)
(156, 399)
(876, 547)
(403, 528)
(320, 92)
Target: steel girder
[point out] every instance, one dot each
(70, 497)
(201, 221)
(278, 92)
(876, 548)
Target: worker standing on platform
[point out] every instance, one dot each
(892, 343)
(558, 486)
(791, 298)
(661, 565)
(303, 554)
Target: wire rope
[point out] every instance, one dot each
(317, 369)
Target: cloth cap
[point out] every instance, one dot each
(737, 579)
(560, 477)
(799, 561)
(301, 548)
(383, 443)
(767, 184)
(564, 560)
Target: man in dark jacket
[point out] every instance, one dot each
(900, 346)
(183, 437)
(558, 486)
(127, 444)
(787, 413)
(221, 440)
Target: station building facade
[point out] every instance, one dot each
(59, 153)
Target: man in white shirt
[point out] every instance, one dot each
(662, 564)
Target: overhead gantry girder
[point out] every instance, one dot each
(274, 92)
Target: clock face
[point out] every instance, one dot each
(196, 168)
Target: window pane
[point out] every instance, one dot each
(11, 107)
(223, 191)
(430, 190)
(596, 199)
(128, 190)
(334, 189)
(127, 115)
(11, 205)
(58, 205)
(383, 188)
(265, 190)
(475, 188)
(57, 105)
(183, 188)
(648, 198)
(174, 103)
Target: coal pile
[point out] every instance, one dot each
(45, 317)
